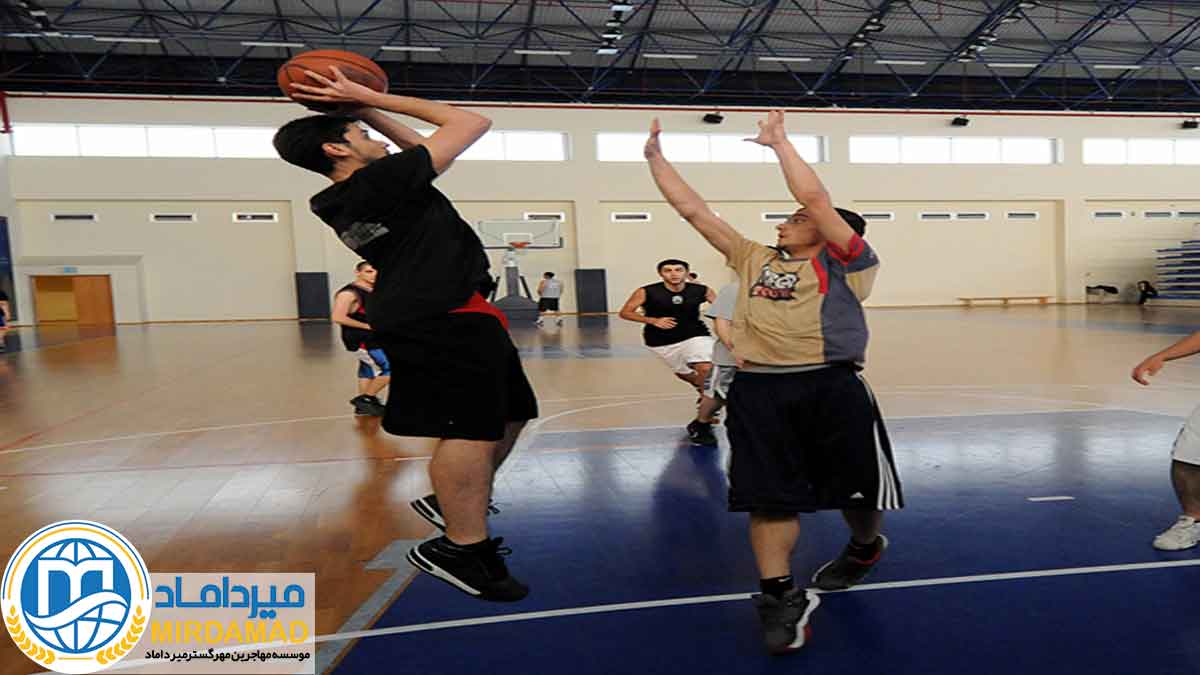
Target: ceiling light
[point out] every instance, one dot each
(1013, 65)
(134, 40)
(540, 52)
(612, 34)
(899, 62)
(785, 59)
(1116, 66)
(622, 7)
(1011, 18)
(607, 50)
(286, 45)
(613, 23)
(409, 48)
(670, 56)
(858, 43)
(873, 28)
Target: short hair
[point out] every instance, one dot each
(693, 275)
(549, 275)
(300, 141)
(363, 263)
(672, 261)
(855, 221)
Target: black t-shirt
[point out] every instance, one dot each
(352, 337)
(683, 306)
(429, 259)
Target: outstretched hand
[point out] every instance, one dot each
(770, 130)
(339, 89)
(653, 148)
(1149, 367)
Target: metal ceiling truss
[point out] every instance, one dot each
(733, 52)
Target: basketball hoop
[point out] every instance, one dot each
(520, 245)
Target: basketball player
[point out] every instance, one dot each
(468, 388)
(804, 428)
(1185, 458)
(349, 311)
(674, 331)
(549, 292)
(724, 365)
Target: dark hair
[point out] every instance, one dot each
(299, 141)
(854, 220)
(549, 275)
(693, 275)
(672, 261)
(359, 267)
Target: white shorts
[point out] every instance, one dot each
(681, 355)
(716, 385)
(1187, 443)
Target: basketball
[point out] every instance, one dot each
(355, 67)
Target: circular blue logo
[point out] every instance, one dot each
(75, 595)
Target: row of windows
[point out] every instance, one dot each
(1141, 151)
(777, 216)
(86, 140)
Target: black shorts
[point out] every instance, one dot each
(548, 305)
(457, 376)
(808, 442)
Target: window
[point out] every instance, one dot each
(937, 216)
(1189, 214)
(245, 142)
(1158, 214)
(776, 216)
(878, 215)
(951, 150)
(46, 140)
(243, 217)
(628, 216)
(1108, 215)
(972, 215)
(1151, 151)
(181, 142)
(112, 141)
(73, 217)
(1160, 151)
(874, 150)
(714, 148)
(172, 217)
(1022, 215)
(554, 216)
(535, 146)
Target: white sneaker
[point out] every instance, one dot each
(558, 322)
(1185, 533)
(539, 323)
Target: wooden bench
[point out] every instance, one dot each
(1005, 299)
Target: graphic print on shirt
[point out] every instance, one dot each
(773, 285)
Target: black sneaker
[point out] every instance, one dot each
(367, 406)
(375, 406)
(427, 507)
(480, 573)
(701, 433)
(846, 570)
(785, 620)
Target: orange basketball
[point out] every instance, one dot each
(355, 67)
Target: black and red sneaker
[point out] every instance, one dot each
(849, 568)
(785, 620)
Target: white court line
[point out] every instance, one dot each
(706, 599)
(1060, 498)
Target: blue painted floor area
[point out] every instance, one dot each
(638, 515)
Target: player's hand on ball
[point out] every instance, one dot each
(340, 89)
(770, 131)
(653, 148)
(1149, 367)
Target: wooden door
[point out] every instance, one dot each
(93, 300)
(54, 299)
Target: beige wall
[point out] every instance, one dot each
(1058, 254)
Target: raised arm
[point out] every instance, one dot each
(686, 201)
(341, 311)
(804, 184)
(458, 129)
(393, 129)
(1152, 364)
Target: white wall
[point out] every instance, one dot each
(1060, 255)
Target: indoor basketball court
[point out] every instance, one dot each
(181, 363)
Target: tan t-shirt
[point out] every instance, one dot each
(802, 312)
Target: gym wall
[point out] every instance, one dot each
(925, 262)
